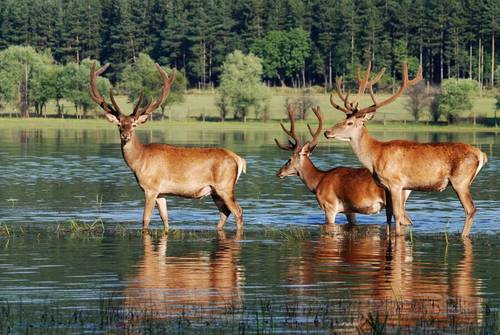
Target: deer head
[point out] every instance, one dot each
(356, 116)
(299, 152)
(127, 123)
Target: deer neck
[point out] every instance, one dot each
(309, 174)
(365, 148)
(132, 152)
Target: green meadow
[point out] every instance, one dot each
(199, 105)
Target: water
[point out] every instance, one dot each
(282, 275)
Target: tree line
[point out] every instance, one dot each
(300, 42)
(30, 79)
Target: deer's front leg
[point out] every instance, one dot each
(398, 209)
(161, 203)
(149, 204)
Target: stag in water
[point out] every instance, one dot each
(402, 166)
(339, 190)
(162, 169)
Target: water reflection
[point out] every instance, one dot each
(389, 277)
(193, 281)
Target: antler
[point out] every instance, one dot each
(404, 84)
(291, 133)
(165, 90)
(351, 107)
(315, 135)
(96, 95)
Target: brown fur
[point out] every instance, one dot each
(403, 165)
(162, 169)
(339, 190)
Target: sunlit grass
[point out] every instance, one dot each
(98, 228)
(93, 124)
(197, 104)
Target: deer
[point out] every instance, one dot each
(162, 170)
(403, 166)
(339, 190)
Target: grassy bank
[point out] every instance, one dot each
(202, 105)
(50, 123)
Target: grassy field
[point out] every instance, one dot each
(199, 105)
(50, 123)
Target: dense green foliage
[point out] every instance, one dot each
(324, 38)
(456, 96)
(241, 87)
(142, 76)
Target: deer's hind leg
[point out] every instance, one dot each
(232, 205)
(463, 192)
(351, 218)
(223, 210)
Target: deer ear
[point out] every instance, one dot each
(142, 119)
(111, 118)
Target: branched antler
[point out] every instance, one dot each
(96, 95)
(352, 107)
(165, 90)
(295, 144)
(114, 109)
(315, 135)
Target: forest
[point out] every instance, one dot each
(300, 42)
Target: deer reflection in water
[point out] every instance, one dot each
(387, 276)
(169, 285)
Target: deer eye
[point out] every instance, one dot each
(350, 123)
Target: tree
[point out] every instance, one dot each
(497, 107)
(418, 100)
(284, 54)
(143, 76)
(75, 82)
(19, 72)
(241, 85)
(456, 96)
(304, 102)
(46, 86)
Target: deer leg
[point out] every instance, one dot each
(398, 209)
(388, 212)
(233, 206)
(351, 218)
(404, 196)
(161, 204)
(330, 226)
(330, 215)
(148, 208)
(465, 197)
(223, 210)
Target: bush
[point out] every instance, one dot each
(418, 100)
(241, 87)
(456, 97)
(303, 102)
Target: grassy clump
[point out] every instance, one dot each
(260, 316)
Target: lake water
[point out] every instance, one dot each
(281, 275)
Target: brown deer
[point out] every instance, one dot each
(402, 166)
(162, 169)
(339, 190)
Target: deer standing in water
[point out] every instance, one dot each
(403, 166)
(339, 190)
(162, 169)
